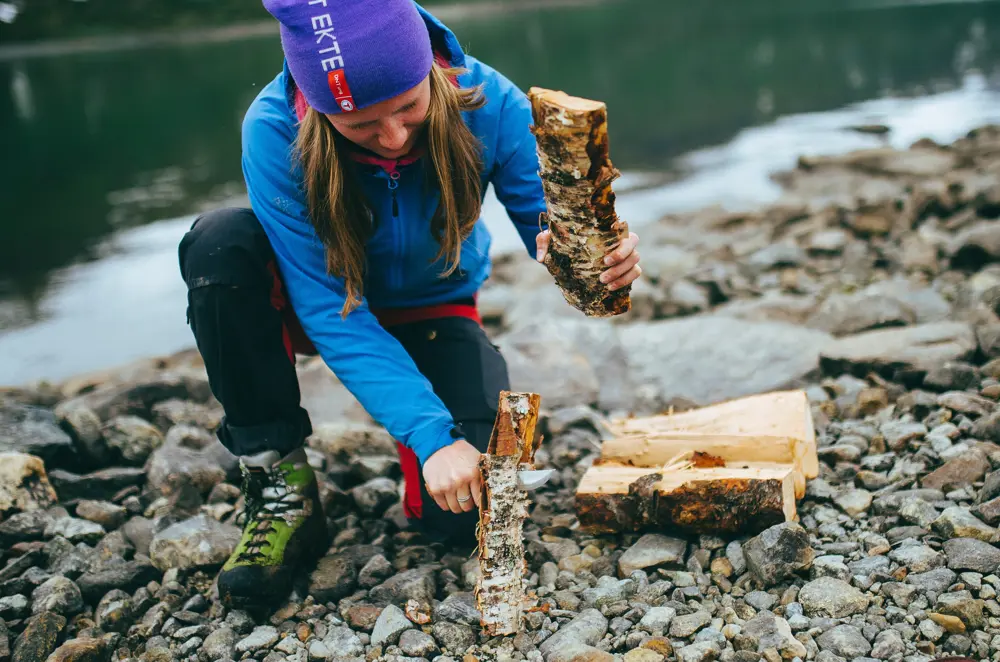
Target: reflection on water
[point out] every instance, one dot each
(99, 143)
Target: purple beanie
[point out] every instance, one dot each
(351, 54)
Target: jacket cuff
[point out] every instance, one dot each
(432, 442)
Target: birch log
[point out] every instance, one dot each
(576, 173)
(504, 507)
(717, 500)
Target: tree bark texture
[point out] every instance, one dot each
(504, 506)
(576, 173)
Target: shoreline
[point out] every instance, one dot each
(246, 30)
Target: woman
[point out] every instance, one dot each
(366, 160)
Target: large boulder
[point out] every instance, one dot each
(713, 358)
(893, 352)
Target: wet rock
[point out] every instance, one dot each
(220, 644)
(932, 581)
(962, 605)
(854, 502)
(343, 642)
(75, 530)
(742, 357)
(845, 641)
(84, 649)
(415, 584)
(373, 497)
(958, 522)
(391, 623)
(890, 351)
(127, 576)
(698, 652)
(765, 630)
(917, 558)
(188, 455)
(650, 551)
(264, 636)
(976, 246)
(459, 608)
(59, 595)
(778, 552)
(346, 440)
(101, 485)
(194, 543)
(832, 598)
(24, 485)
(108, 515)
(686, 625)
(967, 468)
(175, 411)
(844, 314)
(334, 578)
(114, 613)
(972, 554)
(132, 439)
(376, 570)
(14, 607)
(34, 431)
(40, 637)
(919, 512)
(453, 638)
(657, 620)
(888, 645)
(418, 644)
(588, 628)
(84, 427)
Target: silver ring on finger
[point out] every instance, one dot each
(464, 499)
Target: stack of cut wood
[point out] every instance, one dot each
(734, 467)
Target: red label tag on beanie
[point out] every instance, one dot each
(341, 92)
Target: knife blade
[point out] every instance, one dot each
(531, 479)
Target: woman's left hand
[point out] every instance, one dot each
(623, 262)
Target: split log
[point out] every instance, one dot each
(717, 500)
(770, 427)
(572, 143)
(500, 594)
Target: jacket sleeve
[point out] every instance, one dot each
(365, 357)
(515, 177)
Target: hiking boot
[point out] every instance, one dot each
(285, 528)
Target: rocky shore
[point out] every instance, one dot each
(874, 285)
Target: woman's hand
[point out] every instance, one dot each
(623, 262)
(452, 477)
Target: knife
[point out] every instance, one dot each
(531, 479)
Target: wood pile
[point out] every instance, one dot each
(731, 468)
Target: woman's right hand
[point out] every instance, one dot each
(453, 478)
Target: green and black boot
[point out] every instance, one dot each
(285, 529)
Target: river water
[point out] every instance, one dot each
(105, 156)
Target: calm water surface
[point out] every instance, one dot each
(104, 156)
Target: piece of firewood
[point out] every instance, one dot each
(500, 595)
(572, 143)
(718, 500)
(770, 427)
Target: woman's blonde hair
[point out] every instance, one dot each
(342, 216)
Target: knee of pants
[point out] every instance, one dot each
(225, 247)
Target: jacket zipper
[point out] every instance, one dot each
(400, 243)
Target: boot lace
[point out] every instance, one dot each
(268, 498)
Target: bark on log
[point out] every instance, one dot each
(718, 500)
(576, 173)
(500, 590)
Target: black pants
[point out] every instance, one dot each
(247, 335)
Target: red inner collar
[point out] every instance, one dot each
(362, 155)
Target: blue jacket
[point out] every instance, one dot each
(364, 356)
